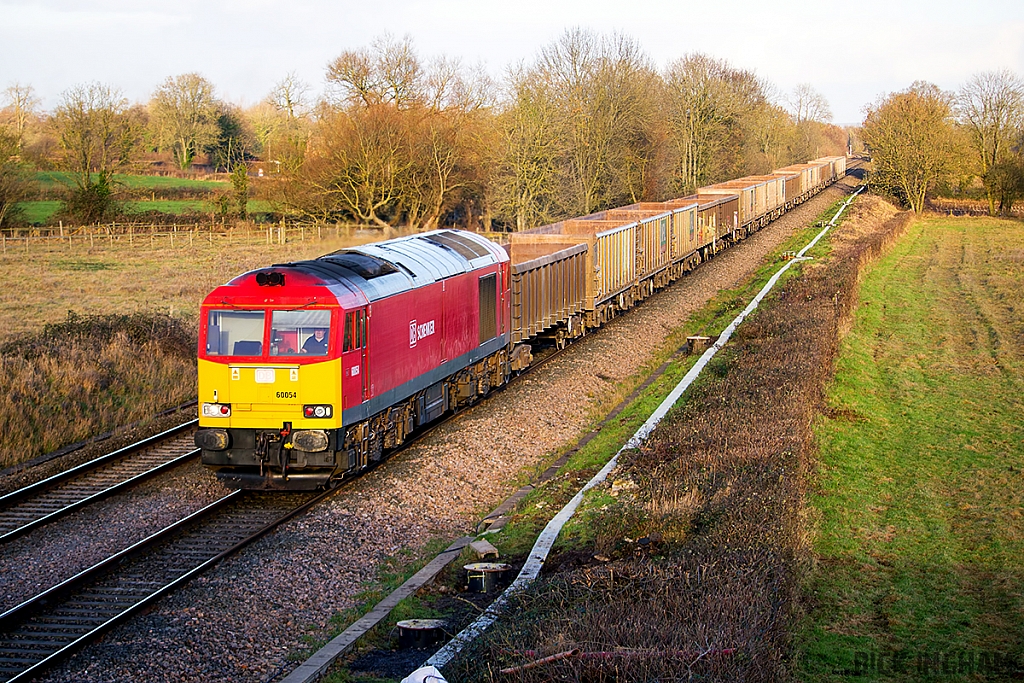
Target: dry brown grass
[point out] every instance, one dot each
(967, 207)
(89, 375)
(720, 494)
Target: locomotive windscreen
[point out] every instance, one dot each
(234, 333)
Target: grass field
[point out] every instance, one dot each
(149, 182)
(43, 212)
(920, 538)
(150, 192)
(101, 373)
(39, 213)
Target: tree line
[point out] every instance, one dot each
(394, 139)
(925, 140)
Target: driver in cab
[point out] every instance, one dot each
(316, 344)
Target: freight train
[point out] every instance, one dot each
(313, 370)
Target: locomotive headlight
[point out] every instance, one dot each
(310, 440)
(324, 410)
(216, 410)
(213, 439)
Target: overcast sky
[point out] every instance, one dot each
(850, 52)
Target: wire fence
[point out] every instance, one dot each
(968, 207)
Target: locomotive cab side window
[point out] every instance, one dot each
(488, 292)
(355, 330)
(234, 333)
(305, 332)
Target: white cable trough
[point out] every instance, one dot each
(546, 540)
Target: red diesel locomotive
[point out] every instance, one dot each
(313, 369)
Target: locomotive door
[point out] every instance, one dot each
(353, 359)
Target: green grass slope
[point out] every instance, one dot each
(921, 535)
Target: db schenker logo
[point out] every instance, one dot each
(417, 332)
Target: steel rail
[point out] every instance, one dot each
(45, 501)
(49, 627)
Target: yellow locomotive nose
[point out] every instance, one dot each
(270, 393)
(255, 396)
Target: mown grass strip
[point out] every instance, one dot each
(920, 539)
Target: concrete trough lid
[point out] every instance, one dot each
(698, 343)
(483, 549)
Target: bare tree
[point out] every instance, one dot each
(358, 162)
(603, 117)
(771, 133)
(290, 96)
(184, 114)
(98, 134)
(281, 123)
(396, 141)
(707, 101)
(807, 104)
(389, 72)
(22, 105)
(267, 122)
(527, 159)
(912, 141)
(991, 107)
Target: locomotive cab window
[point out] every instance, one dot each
(355, 330)
(234, 333)
(304, 333)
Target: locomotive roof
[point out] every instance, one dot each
(384, 268)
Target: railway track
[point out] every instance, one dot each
(53, 625)
(45, 501)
